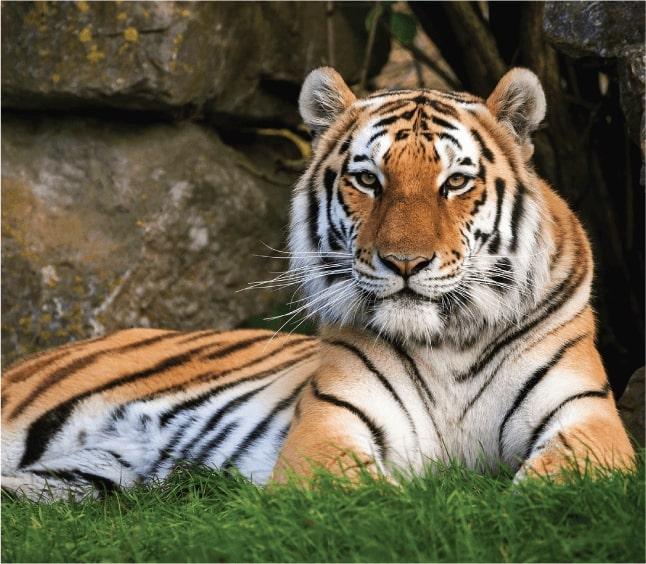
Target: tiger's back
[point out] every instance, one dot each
(125, 408)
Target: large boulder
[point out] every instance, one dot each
(110, 225)
(598, 28)
(610, 30)
(223, 58)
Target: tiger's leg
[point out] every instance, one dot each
(84, 473)
(330, 433)
(586, 434)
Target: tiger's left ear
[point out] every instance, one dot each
(518, 102)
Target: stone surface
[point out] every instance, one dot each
(631, 90)
(235, 58)
(112, 225)
(608, 30)
(632, 406)
(594, 28)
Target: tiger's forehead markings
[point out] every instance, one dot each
(371, 142)
(443, 102)
(434, 122)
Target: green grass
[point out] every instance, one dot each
(452, 515)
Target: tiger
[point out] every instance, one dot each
(450, 286)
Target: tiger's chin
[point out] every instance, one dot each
(407, 318)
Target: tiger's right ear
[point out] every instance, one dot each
(324, 96)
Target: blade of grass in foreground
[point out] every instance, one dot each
(451, 515)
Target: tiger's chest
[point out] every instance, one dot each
(462, 417)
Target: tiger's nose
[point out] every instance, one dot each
(404, 265)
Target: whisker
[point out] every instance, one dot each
(294, 281)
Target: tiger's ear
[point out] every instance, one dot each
(518, 102)
(323, 98)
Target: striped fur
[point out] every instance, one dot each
(125, 409)
(451, 285)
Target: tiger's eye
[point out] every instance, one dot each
(367, 179)
(456, 181)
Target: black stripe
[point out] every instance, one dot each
(282, 434)
(119, 459)
(215, 442)
(382, 379)
(500, 192)
(387, 121)
(78, 364)
(237, 346)
(103, 485)
(261, 428)
(376, 135)
(402, 134)
(503, 276)
(22, 374)
(442, 123)
(413, 373)
(344, 206)
(516, 215)
(377, 433)
(389, 93)
(391, 106)
(546, 420)
(313, 210)
(66, 475)
(482, 172)
(530, 384)
(486, 152)
(360, 158)
(329, 178)
(443, 108)
(564, 441)
(28, 363)
(463, 97)
(213, 421)
(100, 483)
(420, 385)
(343, 148)
(452, 139)
(196, 401)
(199, 335)
(479, 202)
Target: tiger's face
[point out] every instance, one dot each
(416, 216)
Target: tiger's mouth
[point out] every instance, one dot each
(408, 295)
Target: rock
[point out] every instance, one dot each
(126, 55)
(605, 29)
(631, 90)
(107, 226)
(631, 407)
(241, 59)
(608, 30)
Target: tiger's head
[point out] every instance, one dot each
(418, 215)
